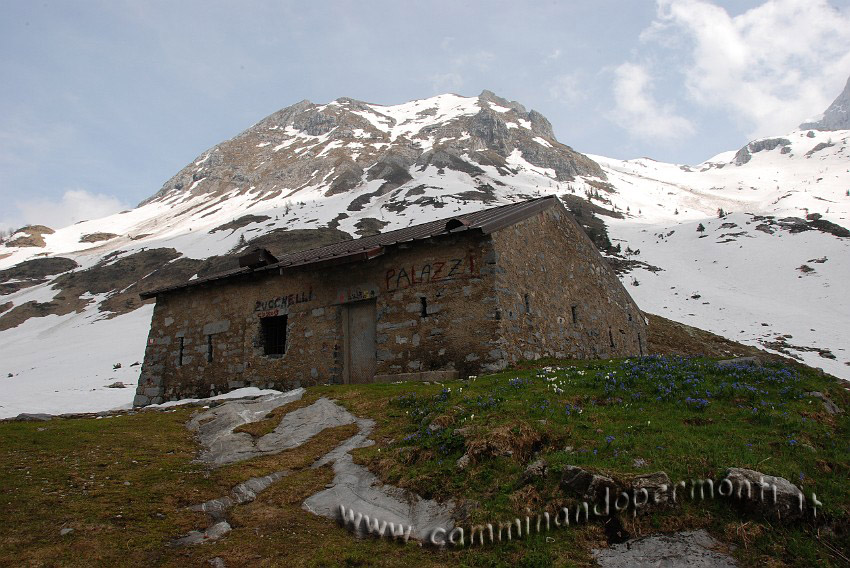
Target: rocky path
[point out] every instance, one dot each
(354, 487)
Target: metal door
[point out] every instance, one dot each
(360, 342)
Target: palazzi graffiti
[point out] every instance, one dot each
(407, 276)
(272, 307)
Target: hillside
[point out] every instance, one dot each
(260, 482)
(312, 174)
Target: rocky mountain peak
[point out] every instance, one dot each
(836, 117)
(491, 97)
(351, 146)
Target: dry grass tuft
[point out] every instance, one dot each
(517, 440)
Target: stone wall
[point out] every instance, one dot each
(456, 331)
(465, 302)
(557, 295)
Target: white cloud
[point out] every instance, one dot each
(771, 66)
(637, 110)
(566, 88)
(75, 205)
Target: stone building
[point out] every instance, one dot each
(454, 297)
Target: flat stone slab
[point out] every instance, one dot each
(243, 493)
(369, 504)
(300, 425)
(212, 534)
(691, 549)
(354, 487)
(221, 445)
(224, 446)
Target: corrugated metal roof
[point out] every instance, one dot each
(485, 220)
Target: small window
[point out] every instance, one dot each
(180, 352)
(611, 337)
(209, 348)
(424, 302)
(574, 310)
(274, 335)
(527, 304)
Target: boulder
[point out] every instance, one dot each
(586, 485)
(830, 406)
(740, 362)
(34, 417)
(773, 497)
(658, 488)
(536, 469)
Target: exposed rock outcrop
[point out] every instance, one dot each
(29, 236)
(773, 497)
(97, 237)
(32, 272)
(745, 154)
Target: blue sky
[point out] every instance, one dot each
(105, 100)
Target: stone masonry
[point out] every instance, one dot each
(468, 302)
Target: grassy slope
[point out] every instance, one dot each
(123, 483)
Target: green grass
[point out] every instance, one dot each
(123, 483)
(685, 416)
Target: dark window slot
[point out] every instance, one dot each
(180, 352)
(209, 348)
(274, 335)
(424, 306)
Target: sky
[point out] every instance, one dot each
(106, 100)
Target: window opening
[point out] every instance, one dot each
(209, 348)
(424, 306)
(274, 335)
(180, 353)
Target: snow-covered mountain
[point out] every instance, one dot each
(763, 274)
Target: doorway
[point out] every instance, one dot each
(359, 342)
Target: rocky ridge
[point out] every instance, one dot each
(348, 144)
